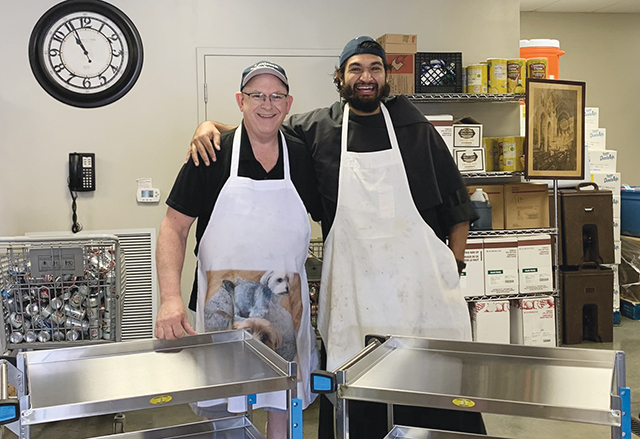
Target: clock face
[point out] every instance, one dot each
(85, 53)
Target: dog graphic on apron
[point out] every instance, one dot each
(251, 272)
(385, 270)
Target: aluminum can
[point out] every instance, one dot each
(30, 336)
(72, 335)
(58, 317)
(95, 333)
(84, 290)
(44, 294)
(73, 312)
(11, 303)
(44, 336)
(32, 309)
(56, 303)
(93, 310)
(46, 311)
(76, 324)
(39, 322)
(16, 320)
(58, 335)
(16, 337)
(76, 299)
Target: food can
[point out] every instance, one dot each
(537, 68)
(497, 75)
(511, 150)
(477, 78)
(490, 145)
(516, 75)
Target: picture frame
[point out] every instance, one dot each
(554, 145)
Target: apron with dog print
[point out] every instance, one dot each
(251, 273)
(385, 270)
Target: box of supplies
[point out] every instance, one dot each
(444, 126)
(534, 264)
(490, 321)
(401, 76)
(596, 138)
(469, 159)
(591, 118)
(398, 43)
(472, 277)
(533, 321)
(467, 135)
(602, 160)
(526, 206)
(607, 180)
(501, 265)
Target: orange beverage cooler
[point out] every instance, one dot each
(543, 48)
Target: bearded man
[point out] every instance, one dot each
(391, 197)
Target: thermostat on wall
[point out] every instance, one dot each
(148, 195)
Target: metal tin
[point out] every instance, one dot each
(516, 75)
(477, 78)
(497, 75)
(537, 68)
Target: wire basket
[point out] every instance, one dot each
(60, 291)
(438, 72)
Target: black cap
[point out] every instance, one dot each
(355, 47)
(262, 68)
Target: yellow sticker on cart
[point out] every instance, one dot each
(157, 400)
(463, 402)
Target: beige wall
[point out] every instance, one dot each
(602, 50)
(146, 133)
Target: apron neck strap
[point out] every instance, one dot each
(235, 153)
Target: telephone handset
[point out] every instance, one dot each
(82, 172)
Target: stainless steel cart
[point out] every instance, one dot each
(567, 384)
(58, 291)
(69, 383)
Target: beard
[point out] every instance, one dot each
(368, 104)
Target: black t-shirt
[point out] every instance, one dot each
(196, 188)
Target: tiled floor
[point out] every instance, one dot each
(626, 338)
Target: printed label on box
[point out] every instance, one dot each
(472, 277)
(591, 118)
(602, 160)
(467, 135)
(534, 264)
(607, 180)
(533, 321)
(469, 159)
(596, 138)
(501, 266)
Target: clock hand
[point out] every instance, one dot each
(79, 43)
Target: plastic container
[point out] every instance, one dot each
(480, 202)
(630, 210)
(543, 48)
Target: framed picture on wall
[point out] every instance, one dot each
(554, 129)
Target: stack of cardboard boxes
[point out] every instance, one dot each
(400, 50)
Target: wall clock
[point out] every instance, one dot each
(85, 53)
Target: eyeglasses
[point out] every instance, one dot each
(274, 98)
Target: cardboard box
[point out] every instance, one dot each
(534, 264)
(472, 277)
(491, 153)
(501, 265)
(591, 118)
(616, 298)
(398, 43)
(602, 160)
(469, 159)
(629, 308)
(526, 206)
(607, 180)
(596, 138)
(490, 321)
(533, 321)
(496, 199)
(616, 205)
(402, 74)
(467, 135)
(444, 126)
(617, 252)
(616, 229)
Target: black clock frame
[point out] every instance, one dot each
(86, 100)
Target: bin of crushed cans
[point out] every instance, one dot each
(60, 290)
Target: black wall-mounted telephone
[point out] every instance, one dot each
(82, 172)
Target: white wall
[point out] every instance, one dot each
(146, 133)
(602, 50)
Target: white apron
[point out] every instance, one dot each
(251, 266)
(385, 270)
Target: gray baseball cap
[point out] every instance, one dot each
(264, 68)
